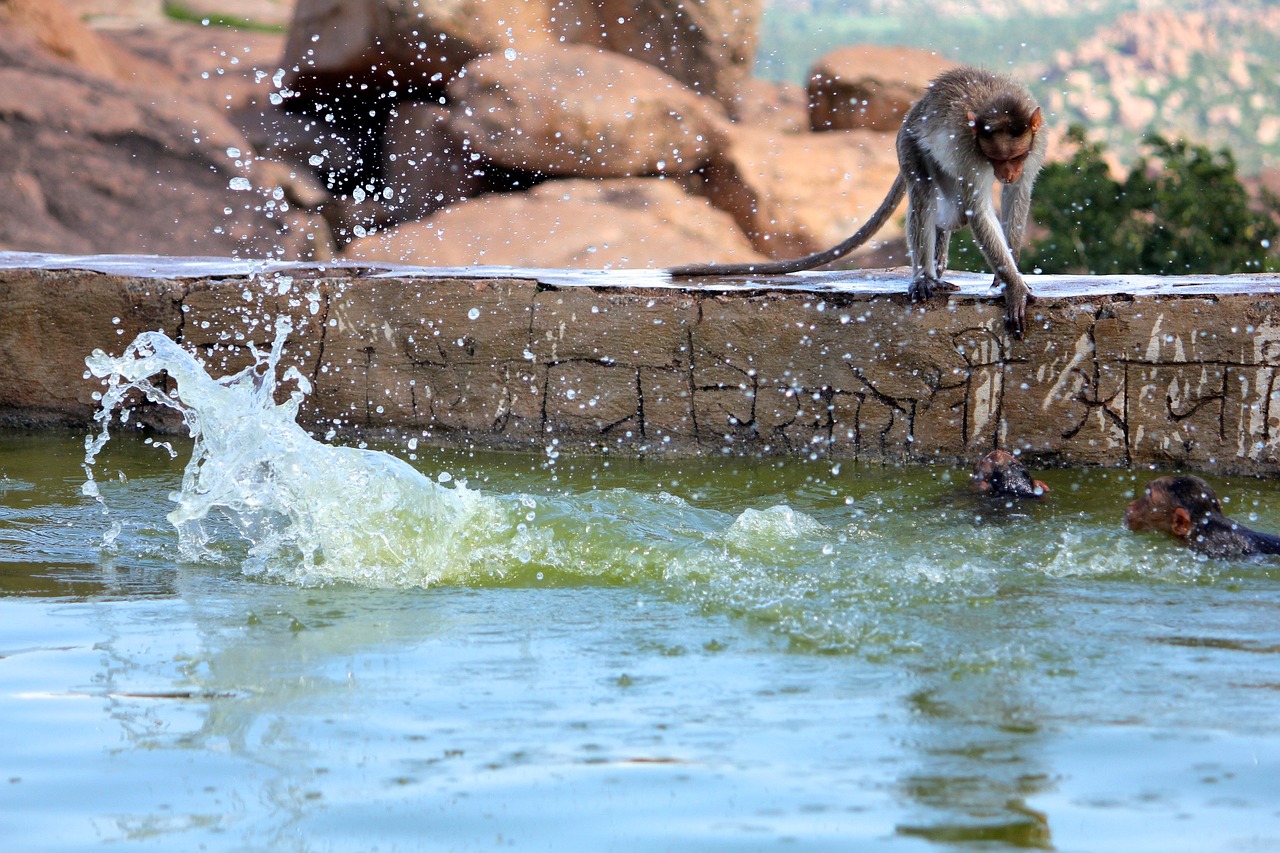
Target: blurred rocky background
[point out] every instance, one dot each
(551, 133)
(1208, 72)
(554, 133)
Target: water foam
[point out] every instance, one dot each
(311, 511)
(839, 581)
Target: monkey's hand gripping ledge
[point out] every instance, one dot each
(1131, 370)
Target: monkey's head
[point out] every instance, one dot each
(1000, 474)
(1005, 130)
(1173, 504)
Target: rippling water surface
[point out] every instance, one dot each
(283, 645)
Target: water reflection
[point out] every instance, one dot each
(980, 746)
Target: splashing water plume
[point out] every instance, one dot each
(311, 511)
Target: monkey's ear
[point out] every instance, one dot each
(973, 119)
(1181, 525)
(1037, 120)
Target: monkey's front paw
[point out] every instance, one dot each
(925, 287)
(1015, 310)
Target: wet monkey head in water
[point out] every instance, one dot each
(971, 130)
(1189, 510)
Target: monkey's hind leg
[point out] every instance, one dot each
(928, 246)
(925, 286)
(941, 251)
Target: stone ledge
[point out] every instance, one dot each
(1133, 370)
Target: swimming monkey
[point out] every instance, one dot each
(1187, 508)
(999, 474)
(971, 129)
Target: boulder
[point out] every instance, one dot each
(371, 49)
(869, 86)
(426, 163)
(773, 105)
(91, 163)
(59, 33)
(793, 194)
(403, 48)
(710, 46)
(338, 156)
(583, 112)
(232, 69)
(583, 224)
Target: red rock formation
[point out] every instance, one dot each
(583, 112)
(793, 194)
(869, 86)
(105, 152)
(583, 224)
(372, 48)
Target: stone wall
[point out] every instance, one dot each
(1170, 372)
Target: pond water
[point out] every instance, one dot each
(291, 646)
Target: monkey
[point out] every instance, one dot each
(1000, 474)
(971, 129)
(1188, 509)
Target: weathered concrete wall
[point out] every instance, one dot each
(1169, 372)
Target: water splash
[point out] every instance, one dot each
(789, 554)
(311, 511)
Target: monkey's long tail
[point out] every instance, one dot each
(808, 262)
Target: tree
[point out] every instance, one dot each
(1180, 210)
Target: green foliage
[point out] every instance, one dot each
(178, 11)
(1181, 210)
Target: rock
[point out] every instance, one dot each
(340, 157)
(115, 12)
(234, 70)
(710, 46)
(368, 49)
(583, 112)
(869, 86)
(376, 48)
(94, 164)
(782, 107)
(59, 33)
(793, 194)
(427, 163)
(636, 222)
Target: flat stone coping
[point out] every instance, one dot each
(1171, 372)
(875, 282)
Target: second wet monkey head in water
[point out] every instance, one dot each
(999, 474)
(971, 130)
(1188, 509)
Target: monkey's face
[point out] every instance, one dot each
(1006, 141)
(1008, 171)
(1158, 509)
(1007, 154)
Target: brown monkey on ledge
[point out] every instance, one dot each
(1000, 474)
(1187, 508)
(971, 129)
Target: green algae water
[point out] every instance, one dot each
(253, 640)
